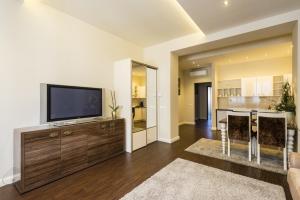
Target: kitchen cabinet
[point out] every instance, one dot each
(257, 86)
(228, 88)
(249, 86)
(264, 86)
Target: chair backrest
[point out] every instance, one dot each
(272, 129)
(239, 125)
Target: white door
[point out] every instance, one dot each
(151, 105)
(249, 86)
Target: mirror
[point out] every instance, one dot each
(139, 94)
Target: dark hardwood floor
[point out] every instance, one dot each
(114, 178)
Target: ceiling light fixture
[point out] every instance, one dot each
(226, 3)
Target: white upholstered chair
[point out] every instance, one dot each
(272, 131)
(239, 128)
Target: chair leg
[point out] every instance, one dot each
(258, 153)
(228, 147)
(255, 148)
(249, 150)
(252, 146)
(284, 159)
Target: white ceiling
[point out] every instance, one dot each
(144, 22)
(213, 15)
(149, 22)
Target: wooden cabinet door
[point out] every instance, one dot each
(74, 147)
(105, 140)
(116, 137)
(97, 145)
(42, 160)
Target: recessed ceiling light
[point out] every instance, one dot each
(226, 3)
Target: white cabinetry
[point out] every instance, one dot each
(228, 88)
(264, 86)
(249, 86)
(151, 106)
(257, 86)
(135, 87)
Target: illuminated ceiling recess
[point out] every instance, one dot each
(216, 15)
(143, 22)
(187, 17)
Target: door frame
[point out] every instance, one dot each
(206, 84)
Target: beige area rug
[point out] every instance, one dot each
(271, 160)
(186, 180)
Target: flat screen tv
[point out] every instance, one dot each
(70, 102)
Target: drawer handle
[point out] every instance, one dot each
(52, 135)
(67, 132)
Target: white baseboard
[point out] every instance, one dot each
(213, 128)
(190, 123)
(9, 180)
(174, 139)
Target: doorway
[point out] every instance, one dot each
(203, 102)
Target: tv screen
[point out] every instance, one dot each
(69, 102)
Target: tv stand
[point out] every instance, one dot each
(78, 121)
(47, 153)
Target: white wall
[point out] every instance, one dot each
(40, 44)
(160, 56)
(296, 73)
(268, 67)
(181, 97)
(188, 113)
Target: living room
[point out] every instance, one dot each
(86, 45)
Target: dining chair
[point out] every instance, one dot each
(272, 131)
(239, 128)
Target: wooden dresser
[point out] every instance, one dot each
(47, 153)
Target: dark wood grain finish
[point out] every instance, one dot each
(74, 145)
(50, 154)
(41, 158)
